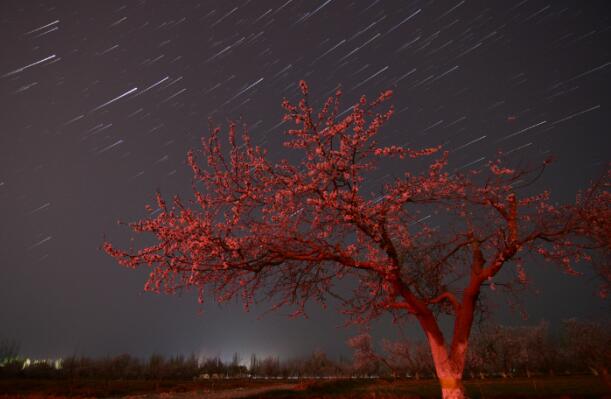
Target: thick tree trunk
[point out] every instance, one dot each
(449, 362)
(452, 388)
(449, 369)
(450, 379)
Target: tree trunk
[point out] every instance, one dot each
(450, 380)
(452, 388)
(449, 370)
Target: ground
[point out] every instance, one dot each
(565, 387)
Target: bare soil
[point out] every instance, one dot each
(558, 387)
(230, 393)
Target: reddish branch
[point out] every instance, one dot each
(292, 230)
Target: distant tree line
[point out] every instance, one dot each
(158, 367)
(498, 351)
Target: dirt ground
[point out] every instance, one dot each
(560, 387)
(81, 389)
(233, 393)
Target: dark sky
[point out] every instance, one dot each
(100, 100)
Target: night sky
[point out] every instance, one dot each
(100, 101)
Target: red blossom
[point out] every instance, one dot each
(426, 245)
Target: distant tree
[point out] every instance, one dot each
(179, 367)
(319, 365)
(235, 367)
(587, 345)
(78, 367)
(269, 366)
(122, 366)
(293, 229)
(254, 363)
(9, 350)
(509, 351)
(365, 361)
(408, 357)
(155, 368)
(541, 355)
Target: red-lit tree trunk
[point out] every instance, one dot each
(449, 368)
(449, 360)
(449, 365)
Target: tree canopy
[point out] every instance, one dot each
(425, 245)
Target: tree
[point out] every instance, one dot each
(408, 357)
(291, 230)
(236, 369)
(365, 362)
(400, 357)
(319, 365)
(511, 350)
(588, 345)
(9, 350)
